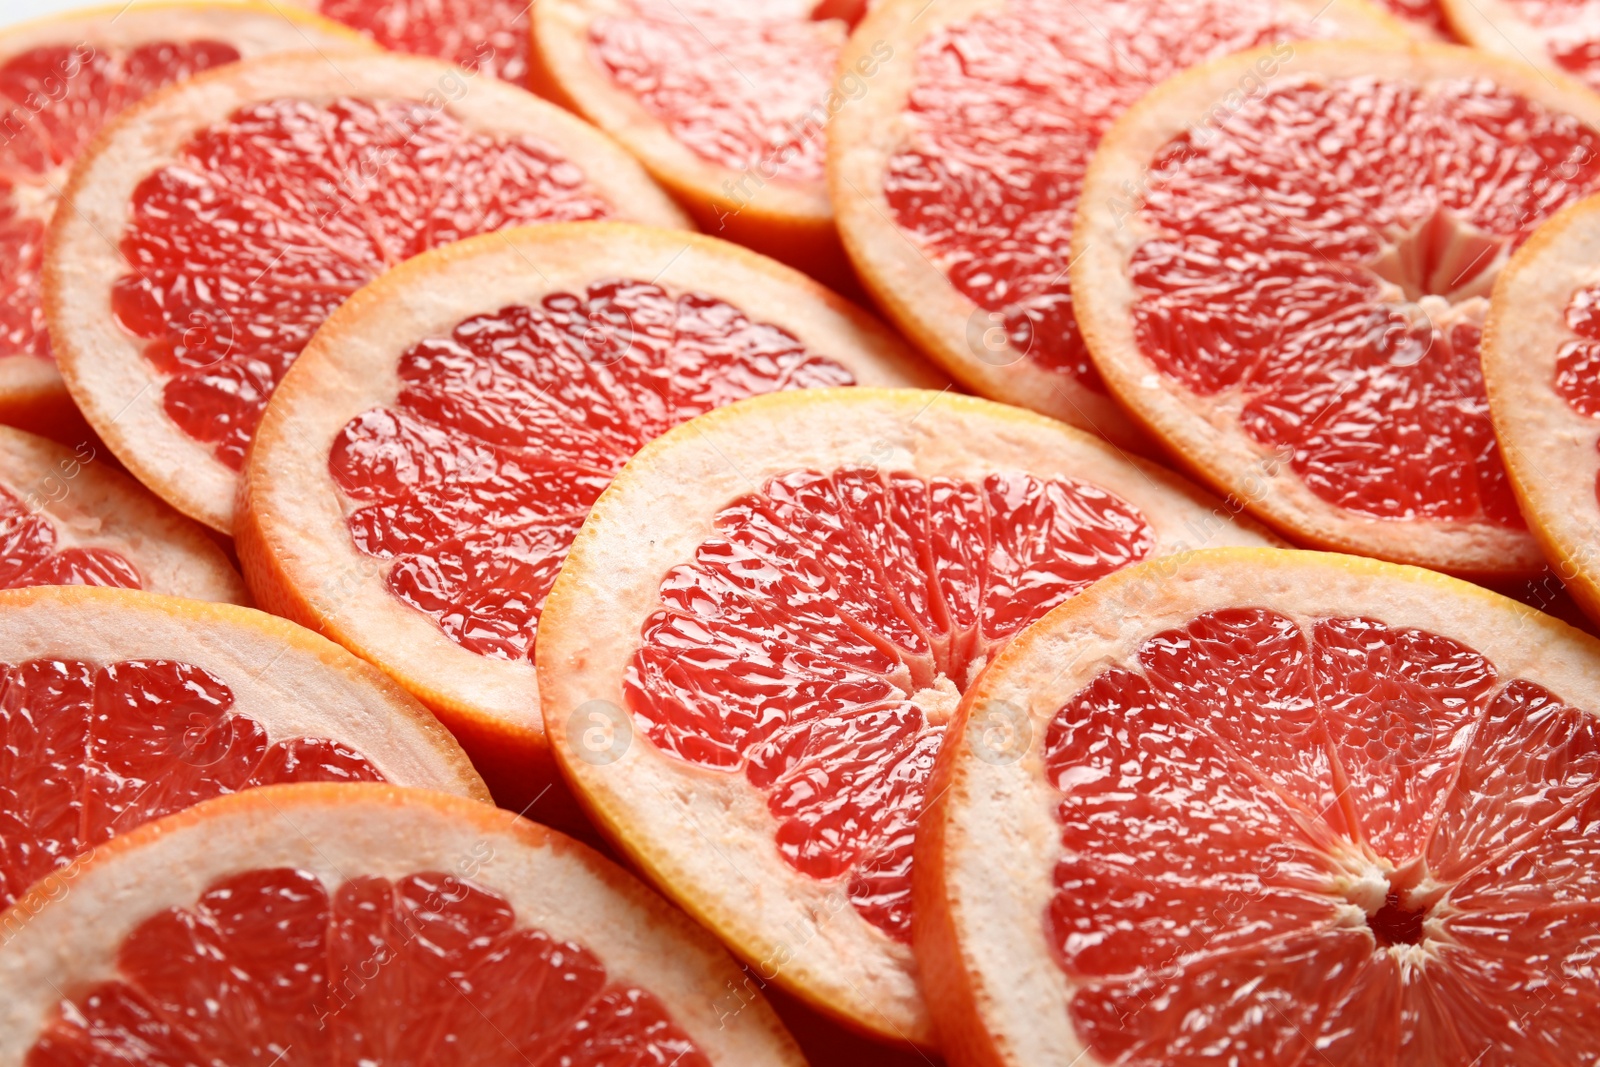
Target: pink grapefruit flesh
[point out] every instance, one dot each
(29, 554)
(488, 36)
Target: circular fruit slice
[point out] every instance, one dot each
(319, 924)
(422, 470)
(1270, 807)
(216, 225)
(119, 707)
(61, 78)
(955, 176)
(1293, 296)
(1541, 348)
(726, 104)
(1558, 35)
(68, 519)
(488, 36)
(748, 660)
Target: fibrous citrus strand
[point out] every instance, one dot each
(745, 89)
(819, 641)
(1571, 32)
(1315, 263)
(1006, 111)
(52, 100)
(1342, 834)
(88, 752)
(475, 481)
(263, 224)
(269, 966)
(488, 36)
(28, 554)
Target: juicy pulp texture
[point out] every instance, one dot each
(53, 99)
(476, 479)
(487, 36)
(818, 643)
(1321, 260)
(1429, 13)
(89, 752)
(271, 967)
(1006, 111)
(744, 89)
(263, 224)
(1571, 32)
(1577, 375)
(28, 554)
(1338, 843)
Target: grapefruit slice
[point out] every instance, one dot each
(1296, 312)
(426, 463)
(320, 924)
(61, 78)
(748, 660)
(955, 176)
(68, 519)
(214, 226)
(1271, 807)
(487, 36)
(119, 707)
(725, 104)
(1559, 35)
(1539, 359)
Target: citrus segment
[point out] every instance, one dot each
(1286, 886)
(1539, 363)
(118, 708)
(1562, 36)
(364, 923)
(273, 191)
(1426, 14)
(1278, 319)
(61, 79)
(420, 478)
(490, 36)
(826, 572)
(957, 176)
(66, 518)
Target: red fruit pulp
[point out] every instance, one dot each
(475, 481)
(488, 36)
(1314, 264)
(52, 101)
(1577, 375)
(1334, 842)
(1429, 13)
(1571, 32)
(241, 247)
(270, 966)
(88, 752)
(818, 643)
(28, 554)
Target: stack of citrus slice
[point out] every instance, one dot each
(68, 519)
(748, 661)
(956, 175)
(428, 460)
(118, 707)
(60, 80)
(315, 924)
(1300, 808)
(214, 226)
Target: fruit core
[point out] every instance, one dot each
(425, 968)
(819, 642)
(53, 98)
(1306, 259)
(472, 484)
(88, 752)
(489, 36)
(264, 223)
(1331, 834)
(29, 556)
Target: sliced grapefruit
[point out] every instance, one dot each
(1541, 348)
(428, 460)
(214, 226)
(1290, 294)
(490, 36)
(748, 660)
(61, 78)
(956, 175)
(119, 707)
(1271, 807)
(66, 518)
(319, 924)
(725, 103)
(1558, 35)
